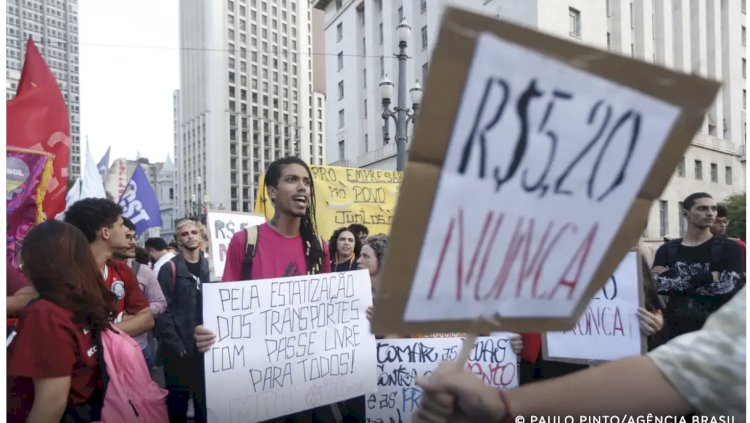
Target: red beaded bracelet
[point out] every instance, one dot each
(508, 418)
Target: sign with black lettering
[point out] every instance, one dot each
(401, 361)
(531, 180)
(609, 328)
(221, 227)
(286, 345)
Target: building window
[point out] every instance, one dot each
(341, 90)
(382, 66)
(698, 170)
(681, 219)
(728, 175)
(744, 33)
(339, 4)
(744, 99)
(339, 31)
(609, 7)
(380, 33)
(341, 118)
(364, 77)
(365, 108)
(341, 150)
(401, 13)
(663, 218)
(744, 68)
(632, 16)
(681, 168)
(714, 172)
(574, 22)
(424, 37)
(609, 40)
(340, 60)
(423, 5)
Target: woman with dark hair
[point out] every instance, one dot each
(53, 364)
(344, 247)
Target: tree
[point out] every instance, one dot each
(736, 205)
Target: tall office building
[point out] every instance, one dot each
(704, 37)
(53, 24)
(245, 99)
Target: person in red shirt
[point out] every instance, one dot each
(53, 366)
(101, 222)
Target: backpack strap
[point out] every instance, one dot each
(174, 273)
(135, 266)
(251, 246)
(673, 251)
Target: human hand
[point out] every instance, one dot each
(716, 275)
(204, 338)
(650, 322)
(449, 395)
(516, 343)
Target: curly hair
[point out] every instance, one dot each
(379, 244)
(333, 247)
(91, 214)
(58, 260)
(308, 227)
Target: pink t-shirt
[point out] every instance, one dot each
(276, 256)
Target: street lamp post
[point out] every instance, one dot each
(401, 115)
(201, 203)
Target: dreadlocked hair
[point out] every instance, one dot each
(311, 244)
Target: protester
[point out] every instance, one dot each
(344, 247)
(101, 222)
(288, 245)
(173, 248)
(699, 273)
(360, 231)
(719, 229)
(703, 372)
(148, 284)
(141, 256)
(651, 316)
(370, 258)
(53, 364)
(180, 280)
(158, 253)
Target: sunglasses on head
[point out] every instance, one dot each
(186, 233)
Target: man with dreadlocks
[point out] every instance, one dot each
(287, 245)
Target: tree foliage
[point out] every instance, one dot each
(736, 205)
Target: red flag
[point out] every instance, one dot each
(38, 119)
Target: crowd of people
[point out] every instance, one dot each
(80, 275)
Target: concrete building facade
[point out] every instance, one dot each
(704, 37)
(53, 24)
(245, 98)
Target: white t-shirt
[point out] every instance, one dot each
(159, 263)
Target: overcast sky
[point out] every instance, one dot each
(129, 68)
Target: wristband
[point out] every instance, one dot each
(508, 418)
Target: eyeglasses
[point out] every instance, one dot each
(133, 238)
(186, 233)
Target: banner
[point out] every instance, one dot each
(347, 195)
(38, 119)
(139, 202)
(609, 328)
(27, 174)
(92, 185)
(286, 345)
(401, 361)
(221, 227)
(103, 164)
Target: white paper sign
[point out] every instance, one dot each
(609, 328)
(286, 345)
(401, 361)
(221, 228)
(544, 162)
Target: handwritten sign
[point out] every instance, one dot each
(539, 187)
(401, 361)
(286, 345)
(609, 328)
(221, 228)
(346, 195)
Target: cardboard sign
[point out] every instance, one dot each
(609, 328)
(221, 227)
(347, 195)
(286, 345)
(532, 179)
(401, 361)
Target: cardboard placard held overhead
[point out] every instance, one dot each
(532, 179)
(222, 225)
(609, 328)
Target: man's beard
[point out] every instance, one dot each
(189, 248)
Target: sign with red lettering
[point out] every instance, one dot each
(221, 227)
(539, 168)
(609, 328)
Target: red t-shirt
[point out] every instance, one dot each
(276, 256)
(121, 280)
(48, 344)
(15, 279)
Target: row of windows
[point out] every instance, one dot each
(698, 171)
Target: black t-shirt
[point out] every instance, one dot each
(194, 268)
